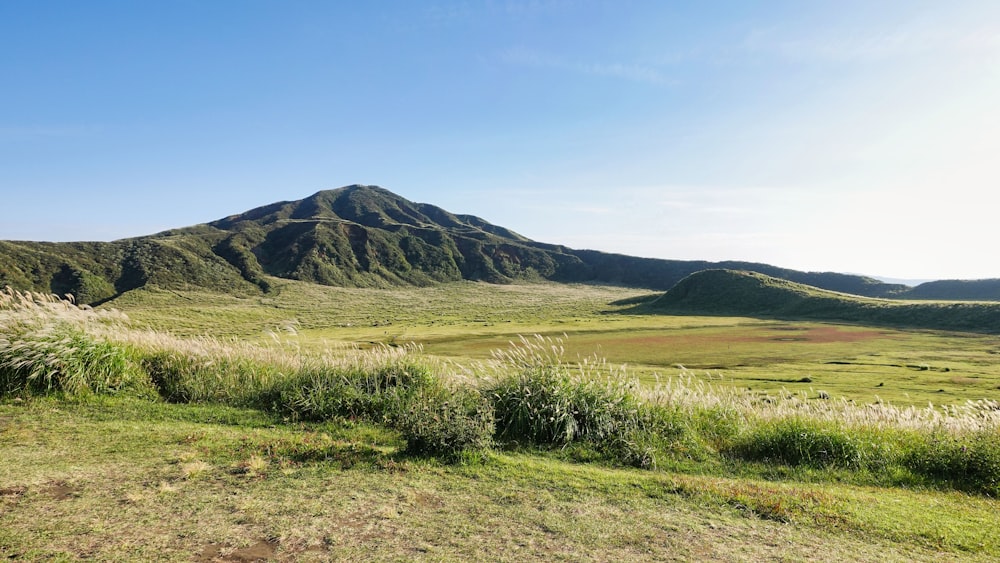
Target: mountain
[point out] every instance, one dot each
(360, 236)
(742, 293)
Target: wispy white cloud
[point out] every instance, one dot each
(460, 12)
(529, 57)
(919, 36)
(595, 209)
(39, 132)
(522, 56)
(637, 73)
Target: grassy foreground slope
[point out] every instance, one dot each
(133, 481)
(743, 293)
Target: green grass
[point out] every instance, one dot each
(128, 480)
(466, 321)
(456, 457)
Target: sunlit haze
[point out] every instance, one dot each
(844, 136)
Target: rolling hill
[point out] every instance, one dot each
(957, 290)
(356, 236)
(744, 293)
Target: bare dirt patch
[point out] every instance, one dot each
(60, 491)
(263, 550)
(427, 500)
(964, 380)
(12, 491)
(209, 554)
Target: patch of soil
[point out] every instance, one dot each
(12, 491)
(209, 554)
(363, 527)
(263, 550)
(819, 335)
(427, 500)
(834, 334)
(790, 335)
(60, 491)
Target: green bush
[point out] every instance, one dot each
(797, 441)
(376, 394)
(717, 425)
(672, 432)
(405, 395)
(443, 422)
(185, 378)
(969, 462)
(544, 405)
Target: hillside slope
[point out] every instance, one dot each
(356, 236)
(743, 293)
(959, 290)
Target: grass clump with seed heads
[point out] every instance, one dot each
(45, 346)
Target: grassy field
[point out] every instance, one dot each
(467, 321)
(121, 480)
(302, 426)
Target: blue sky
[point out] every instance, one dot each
(846, 136)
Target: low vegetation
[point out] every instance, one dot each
(396, 408)
(526, 396)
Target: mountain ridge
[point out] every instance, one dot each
(364, 236)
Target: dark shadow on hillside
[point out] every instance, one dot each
(986, 322)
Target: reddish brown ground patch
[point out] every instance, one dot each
(964, 380)
(835, 334)
(60, 491)
(260, 551)
(12, 491)
(263, 550)
(780, 334)
(209, 554)
(427, 500)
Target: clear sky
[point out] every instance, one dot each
(851, 136)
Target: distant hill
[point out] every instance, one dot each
(358, 236)
(958, 290)
(742, 293)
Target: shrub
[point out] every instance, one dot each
(447, 423)
(403, 394)
(545, 405)
(718, 425)
(672, 432)
(375, 393)
(969, 462)
(798, 441)
(184, 377)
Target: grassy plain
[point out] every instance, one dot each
(136, 478)
(466, 321)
